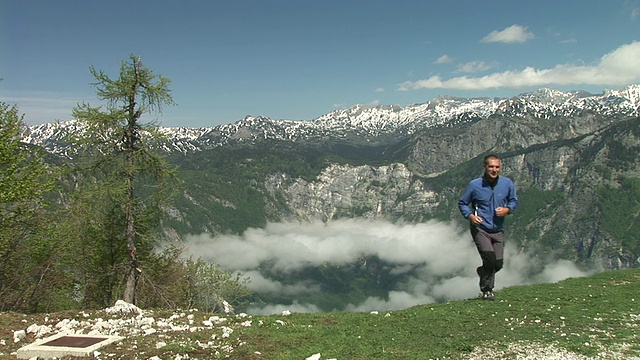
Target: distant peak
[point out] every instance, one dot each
(631, 92)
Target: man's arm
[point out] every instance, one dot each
(512, 199)
(465, 202)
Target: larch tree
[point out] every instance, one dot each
(135, 178)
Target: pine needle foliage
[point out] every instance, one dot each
(130, 180)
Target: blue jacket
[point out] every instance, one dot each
(483, 199)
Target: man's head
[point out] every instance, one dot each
(492, 165)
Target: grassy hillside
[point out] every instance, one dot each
(595, 317)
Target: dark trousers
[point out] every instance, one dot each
(491, 249)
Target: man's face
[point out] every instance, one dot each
(492, 168)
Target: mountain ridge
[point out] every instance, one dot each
(381, 123)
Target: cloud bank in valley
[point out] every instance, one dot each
(442, 258)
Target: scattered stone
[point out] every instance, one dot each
(123, 307)
(19, 335)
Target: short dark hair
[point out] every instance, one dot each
(490, 157)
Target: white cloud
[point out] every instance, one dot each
(444, 59)
(294, 246)
(476, 66)
(563, 269)
(38, 110)
(44, 107)
(280, 308)
(396, 300)
(380, 89)
(438, 258)
(634, 9)
(261, 284)
(619, 67)
(372, 103)
(512, 34)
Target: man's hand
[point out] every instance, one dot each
(502, 211)
(475, 219)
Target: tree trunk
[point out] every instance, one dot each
(130, 139)
(133, 270)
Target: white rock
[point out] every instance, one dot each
(314, 357)
(38, 330)
(147, 321)
(19, 335)
(228, 309)
(226, 331)
(179, 327)
(217, 319)
(123, 307)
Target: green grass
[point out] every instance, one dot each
(581, 315)
(597, 317)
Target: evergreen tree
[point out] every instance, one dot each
(134, 181)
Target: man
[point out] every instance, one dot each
(485, 203)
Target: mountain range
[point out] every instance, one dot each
(384, 124)
(574, 156)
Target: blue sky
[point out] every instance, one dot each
(298, 60)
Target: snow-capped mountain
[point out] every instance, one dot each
(378, 122)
